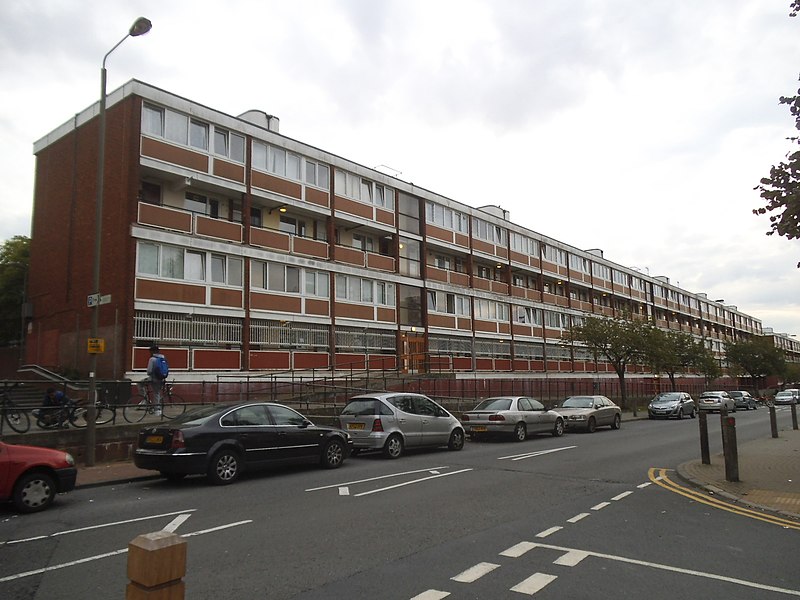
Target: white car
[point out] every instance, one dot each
(790, 396)
(710, 401)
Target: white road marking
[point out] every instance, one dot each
(518, 550)
(546, 532)
(475, 573)
(663, 567)
(622, 495)
(534, 454)
(644, 485)
(601, 505)
(105, 555)
(173, 525)
(42, 537)
(571, 558)
(534, 583)
(431, 595)
(391, 487)
(327, 487)
(577, 518)
(344, 491)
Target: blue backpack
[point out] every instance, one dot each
(163, 367)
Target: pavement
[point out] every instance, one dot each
(769, 473)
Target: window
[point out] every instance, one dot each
(198, 203)
(283, 415)
(446, 218)
(292, 226)
(317, 174)
(353, 186)
(148, 259)
(229, 144)
(555, 255)
(578, 263)
(276, 160)
(226, 270)
(524, 245)
(195, 266)
(488, 310)
(555, 320)
(527, 315)
(317, 284)
(356, 289)
(198, 135)
(150, 193)
(601, 271)
(176, 128)
(171, 262)
(363, 242)
(409, 257)
(153, 120)
(408, 212)
(385, 294)
(491, 233)
(451, 304)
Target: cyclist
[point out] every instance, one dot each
(55, 406)
(154, 378)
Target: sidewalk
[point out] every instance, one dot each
(769, 474)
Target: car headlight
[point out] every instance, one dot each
(69, 459)
(578, 418)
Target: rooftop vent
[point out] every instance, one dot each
(262, 119)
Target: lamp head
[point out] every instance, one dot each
(141, 26)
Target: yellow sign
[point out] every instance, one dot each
(96, 345)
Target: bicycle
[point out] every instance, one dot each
(172, 405)
(16, 417)
(104, 413)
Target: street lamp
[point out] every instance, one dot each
(139, 27)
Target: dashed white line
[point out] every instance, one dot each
(173, 525)
(475, 573)
(534, 583)
(344, 491)
(644, 485)
(577, 517)
(546, 532)
(336, 485)
(518, 550)
(533, 454)
(571, 558)
(601, 505)
(431, 595)
(621, 496)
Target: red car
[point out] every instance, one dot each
(31, 476)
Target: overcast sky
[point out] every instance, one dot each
(636, 126)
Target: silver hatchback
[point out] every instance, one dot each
(394, 421)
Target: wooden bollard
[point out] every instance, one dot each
(156, 566)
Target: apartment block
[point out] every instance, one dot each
(241, 250)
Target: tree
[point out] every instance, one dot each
(14, 255)
(672, 352)
(781, 189)
(620, 341)
(758, 357)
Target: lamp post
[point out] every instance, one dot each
(139, 27)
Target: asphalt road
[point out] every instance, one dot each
(581, 516)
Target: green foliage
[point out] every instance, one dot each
(14, 256)
(621, 341)
(671, 352)
(758, 357)
(781, 189)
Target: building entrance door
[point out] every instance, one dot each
(412, 356)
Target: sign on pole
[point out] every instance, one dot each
(96, 345)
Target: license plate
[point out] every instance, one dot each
(355, 426)
(478, 428)
(154, 439)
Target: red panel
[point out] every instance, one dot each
(269, 360)
(217, 359)
(311, 360)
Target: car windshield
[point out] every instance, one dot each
(667, 397)
(362, 406)
(783, 394)
(578, 402)
(494, 404)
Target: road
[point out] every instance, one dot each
(581, 516)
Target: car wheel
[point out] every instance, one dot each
(558, 428)
(393, 448)
(618, 421)
(333, 454)
(456, 441)
(173, 477)
(34, 492)
(680, 414)
(591, 425)
(520, 432)
(225, 467)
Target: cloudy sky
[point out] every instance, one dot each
(636, 126)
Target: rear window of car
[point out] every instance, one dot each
(494, 404)
(365, 406)
(669, 396)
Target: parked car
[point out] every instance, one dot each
(394, 421)
(672, 404)
(787, 397)
(743, 399)
(589, 413)
(517, 416)
(31, 476)
(716, 400)
(222, 441)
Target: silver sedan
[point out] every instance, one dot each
(512, 415)
(590, 412)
